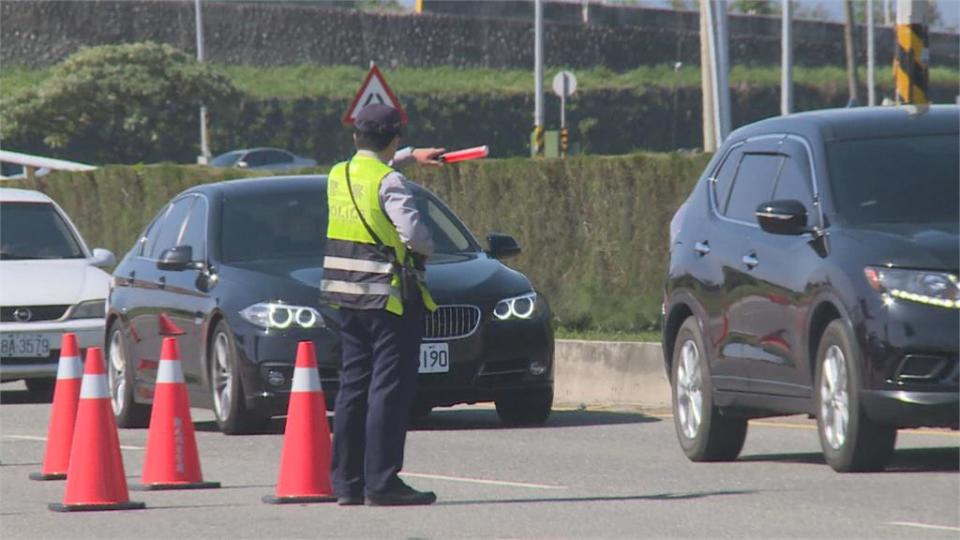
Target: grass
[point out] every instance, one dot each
(290, 82)
(607, 335)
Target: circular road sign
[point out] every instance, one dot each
(558, 84)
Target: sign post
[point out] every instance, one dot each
(564, 85)
(373, 90)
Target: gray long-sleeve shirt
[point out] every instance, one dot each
(400, 206)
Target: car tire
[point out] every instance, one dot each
(41, 389)
(851, 442)
(528, 408)
(704, 434)
(229, 404)
(121, 379)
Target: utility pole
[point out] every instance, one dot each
(538, 149)
(912, 57)
(849, 26)
(204, 143)
(719, 59)
(871, 58)
(706, 79)
(786, 59)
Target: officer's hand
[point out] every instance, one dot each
(419, 261)
(428, 156)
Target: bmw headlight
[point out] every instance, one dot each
(282, 316)
(91, 309)
(518, 307)
(932, 288)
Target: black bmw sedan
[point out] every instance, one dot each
(814, 270)
(233, 268)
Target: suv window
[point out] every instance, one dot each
(170, 227)
(753, 185)
(795, 181)
(195, 233)
(723, 178)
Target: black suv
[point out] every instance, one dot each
(813, 270)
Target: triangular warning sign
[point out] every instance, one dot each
(373, 90)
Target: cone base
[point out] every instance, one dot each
(273, 499)
(47, 476)
(129, 505)
(185, 485)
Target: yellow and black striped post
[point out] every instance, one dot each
(911, 57)
(538, 147)
(564, 141)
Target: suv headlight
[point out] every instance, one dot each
(91, 309)
(518, 307)
(931, 288)
(282, 316)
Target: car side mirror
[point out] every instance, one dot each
(502, 246)
(783, 217)
(103, 258)
(242, 164)
(176, 259)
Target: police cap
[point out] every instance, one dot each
(378, 119)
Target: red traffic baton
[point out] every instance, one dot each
(477, 152)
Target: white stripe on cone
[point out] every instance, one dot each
(170, 371)
(305, 380)
(70, 367)
(94, 387)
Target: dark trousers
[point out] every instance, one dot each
(378, 381)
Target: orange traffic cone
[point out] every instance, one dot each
(66, 396)
(305, 461)
(95, 477)
(172, 460)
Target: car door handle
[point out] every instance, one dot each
(750, 260)
(702, 248)
(161, 282)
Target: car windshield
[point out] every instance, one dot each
(293, 224)
(896, 180)
(35, 231)
(226, 160)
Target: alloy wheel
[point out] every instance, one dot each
(834, 397)
(222, 376)
(689, 389)
(116, 376)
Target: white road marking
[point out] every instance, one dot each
(480, 481)
(44, 439)
(924, 526)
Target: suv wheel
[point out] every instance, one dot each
(850, 440)
(704, 434)
(121, 379)
(229, 406)
(530, 408)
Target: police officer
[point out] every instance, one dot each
(376, 246)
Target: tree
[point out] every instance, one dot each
(118, 104)
(755, 7)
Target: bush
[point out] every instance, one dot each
(593, 229)
(118, 104)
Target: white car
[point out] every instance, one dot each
(50, 283)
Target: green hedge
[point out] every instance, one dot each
(593, 229)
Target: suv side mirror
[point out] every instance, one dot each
(502, 246)
(783, 217)
(176, 259)
(102, 258)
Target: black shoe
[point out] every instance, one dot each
(401, 495)
(350, 500)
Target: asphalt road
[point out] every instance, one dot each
(587, 474)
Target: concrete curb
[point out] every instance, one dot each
(610, 373)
